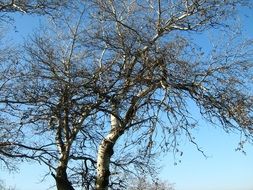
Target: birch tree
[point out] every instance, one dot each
(154, 71)
(11, 136)
(113, 84)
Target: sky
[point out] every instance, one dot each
(223, 169)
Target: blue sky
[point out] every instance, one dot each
(224, 169)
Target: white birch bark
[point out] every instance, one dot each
(105, 152)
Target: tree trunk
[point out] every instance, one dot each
(61, 178)
(105, 153)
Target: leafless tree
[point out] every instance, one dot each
(10, 135)
(144, 184)
(154, 70)
(49, 101)
(102, 94)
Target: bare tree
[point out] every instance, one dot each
(153, 69)
(145, 184)
(97, 91)
(10, 135)
(49, 101)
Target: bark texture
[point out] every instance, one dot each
(61, 178)
(103, 162)
(105, 153)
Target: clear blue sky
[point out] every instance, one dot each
(224, 169)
